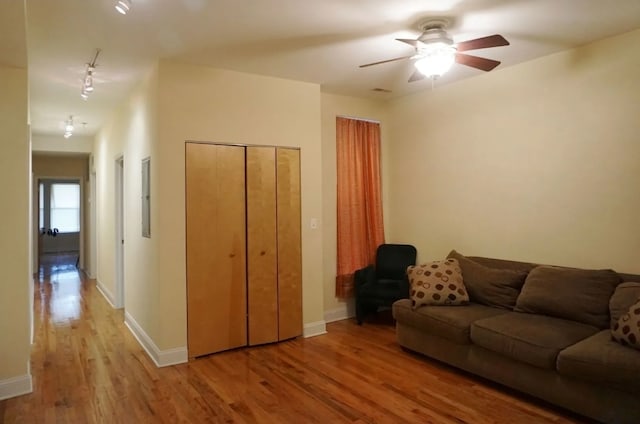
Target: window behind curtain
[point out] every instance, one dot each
(359, 203)
(65, 207)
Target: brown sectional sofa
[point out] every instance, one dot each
(541, 330)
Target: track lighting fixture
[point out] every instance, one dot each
(87, 82)
(68, 127)
(88, 79)
(123, 6)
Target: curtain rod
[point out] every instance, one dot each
(358, 119)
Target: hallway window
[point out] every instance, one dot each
(65, 207)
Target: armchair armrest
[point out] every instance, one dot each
(364, 276)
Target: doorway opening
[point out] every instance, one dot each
(119, 215)
(59, 223)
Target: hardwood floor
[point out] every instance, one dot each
(88, 368)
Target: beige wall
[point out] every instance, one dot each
(131, 134)
(61, 166)
(333, 106)
(206, 104)
(536, 162)
(15, 325)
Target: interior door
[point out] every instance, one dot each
(289, 243)
(216, 248)
(262, 277)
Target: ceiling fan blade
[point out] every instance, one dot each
(409, 41)
(416, 76)
(481, 63)
(483, 43)
(386, 61)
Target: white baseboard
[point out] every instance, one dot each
(106, 293)
(345, 311)
(313, 329)
(162, 358)
(15, 386)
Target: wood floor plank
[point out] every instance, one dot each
(88, 368)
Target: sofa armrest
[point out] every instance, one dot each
(405, 287)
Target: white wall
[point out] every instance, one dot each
(536, 162)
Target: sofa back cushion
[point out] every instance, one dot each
(580, 295)
(626, 294)
(490, 286)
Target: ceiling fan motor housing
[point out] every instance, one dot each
(436, 36)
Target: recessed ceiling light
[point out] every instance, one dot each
(123, 6)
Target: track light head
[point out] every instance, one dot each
(88, 84)
(68, 127)
(123, 6)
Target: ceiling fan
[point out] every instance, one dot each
(435, 51)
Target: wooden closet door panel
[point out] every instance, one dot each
(216, 248)
(289, 243)
(262, 278)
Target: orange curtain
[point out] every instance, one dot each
(359, 205)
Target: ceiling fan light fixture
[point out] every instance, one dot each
(123, 6)
(436, 60)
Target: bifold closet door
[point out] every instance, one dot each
(289, 243)
(216, 248)
(262, 262)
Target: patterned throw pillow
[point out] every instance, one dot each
(437, 283)
(627, 330)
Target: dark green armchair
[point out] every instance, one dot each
(385, 282)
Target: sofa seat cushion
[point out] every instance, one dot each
(602, 360)
(534, 339)
(449, 322)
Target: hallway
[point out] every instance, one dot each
(83, 358)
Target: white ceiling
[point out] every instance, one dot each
(316, 41)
